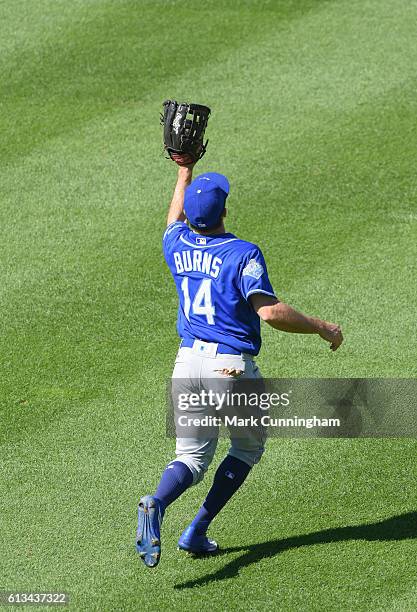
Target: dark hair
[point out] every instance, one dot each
(207, 230)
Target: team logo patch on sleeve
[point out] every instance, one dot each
(254, 269)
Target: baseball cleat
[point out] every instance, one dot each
(196, 544)
(148, 535)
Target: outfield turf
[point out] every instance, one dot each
(314, 121)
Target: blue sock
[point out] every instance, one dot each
(230, 475)
(176, 478)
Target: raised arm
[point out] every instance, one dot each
(283, 317)
(176, 208)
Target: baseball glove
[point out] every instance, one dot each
(184, 127)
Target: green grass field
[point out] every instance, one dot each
(314, 121)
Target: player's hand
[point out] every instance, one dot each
(183, 159)
(331, 333)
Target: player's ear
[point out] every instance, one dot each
(224, 213)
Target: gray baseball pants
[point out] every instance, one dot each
(195, 369)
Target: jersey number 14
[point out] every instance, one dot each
(201, 304)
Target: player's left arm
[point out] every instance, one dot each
(176, 208)
(283, 317)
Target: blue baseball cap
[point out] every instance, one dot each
(205, 199)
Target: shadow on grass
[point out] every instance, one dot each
(401, 527)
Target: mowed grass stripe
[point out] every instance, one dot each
(112, 54)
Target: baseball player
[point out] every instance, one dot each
(224, 291)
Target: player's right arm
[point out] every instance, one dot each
(283, 317)
(176, 208)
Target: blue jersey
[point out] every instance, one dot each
(214, 277)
